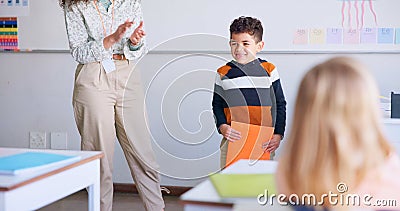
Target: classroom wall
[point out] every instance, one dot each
(44, 29)
(36, 93)
(188, 42)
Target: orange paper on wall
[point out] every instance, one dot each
(250, 144)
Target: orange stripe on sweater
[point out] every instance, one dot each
(224, 70)
(269, 67)
(256, 115)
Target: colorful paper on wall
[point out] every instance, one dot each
(351, 36)
(368, 35)
(9, 8)
(317, 36)
(397, 41)
(8, 33)
(300, 37)
(385, 35)
(334, 36)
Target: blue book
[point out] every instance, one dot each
(33, 161)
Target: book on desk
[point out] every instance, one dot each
(243, 185)
(28, 162)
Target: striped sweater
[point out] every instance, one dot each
(249, 93)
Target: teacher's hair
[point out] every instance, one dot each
(68, 3)
(336, 134)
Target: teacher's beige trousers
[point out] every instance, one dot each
(107, 108)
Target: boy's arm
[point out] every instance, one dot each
(280, 122)
(223, 128)
(218, 108)
(280, 118)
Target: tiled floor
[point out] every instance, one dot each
(122, 201)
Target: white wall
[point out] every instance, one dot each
(36, 88)
(45, 28)
(36, 93)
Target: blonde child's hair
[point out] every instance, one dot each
(336, 134)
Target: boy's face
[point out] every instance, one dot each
(244, 48)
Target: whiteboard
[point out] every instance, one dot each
(44, 28)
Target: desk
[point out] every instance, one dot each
(33, 191)
(392, 132)
(205, 197)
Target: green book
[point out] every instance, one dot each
(243, 185)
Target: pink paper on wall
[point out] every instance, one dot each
(300, 37)
(351, 36)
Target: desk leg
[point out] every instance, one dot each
(94, 192)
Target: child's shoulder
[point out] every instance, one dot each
(268, 66)
(223, 70)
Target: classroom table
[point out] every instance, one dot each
(205, 197)
(392, 132)
(40, 188)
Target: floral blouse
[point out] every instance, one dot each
(87, 23)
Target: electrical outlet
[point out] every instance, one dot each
(58, 140)
(37, 140)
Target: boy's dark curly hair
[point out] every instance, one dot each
(248, 25)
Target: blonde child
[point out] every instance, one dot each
(336, 143)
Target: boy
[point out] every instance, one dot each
(248, 89)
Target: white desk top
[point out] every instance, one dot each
(391, 121)
(206, 193)
(8, 182)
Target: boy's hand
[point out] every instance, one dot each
(137, 34)
(229, 133)
(274, 143)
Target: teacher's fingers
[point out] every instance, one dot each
(142, 33)
(127, 24)
(134, 41)
(127, 20)
(138, 35)
(123, 28)
(140, 25)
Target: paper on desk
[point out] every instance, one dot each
(250, 144)
(29, 162)
(243, 185)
